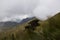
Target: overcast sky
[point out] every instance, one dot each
(10, 9)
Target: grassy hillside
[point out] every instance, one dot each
(51, 28)
(48, 30)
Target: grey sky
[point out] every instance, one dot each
(19, 8)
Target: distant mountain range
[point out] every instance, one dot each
(11, 24)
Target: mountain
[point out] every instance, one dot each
(47, 30)
(26, 20)
(12, 24)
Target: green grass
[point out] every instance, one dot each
(48, 30)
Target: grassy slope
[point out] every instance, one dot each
(51, 28)
(48, 30)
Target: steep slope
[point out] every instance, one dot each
(51, 28)
(48, 30)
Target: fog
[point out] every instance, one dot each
(12, 9)
(47, 8)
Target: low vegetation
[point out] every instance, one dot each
(45, 30)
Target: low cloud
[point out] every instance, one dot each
(47, 8)
(12, 8)
(39, 8)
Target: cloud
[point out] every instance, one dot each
(40, 8)
(15, 18)
(46, 8)
(11, 8)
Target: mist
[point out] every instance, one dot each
(47, 8)
(12, 9)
